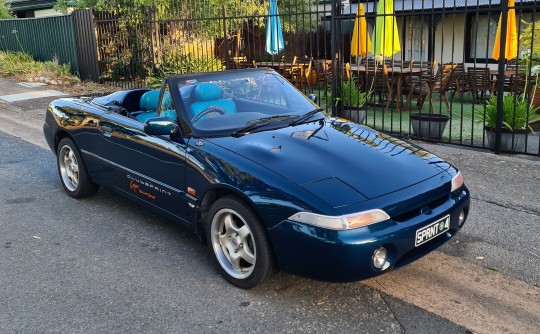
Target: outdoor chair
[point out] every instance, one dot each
(516, 82)
(460, 83)
(423, 87)
(239, 62)
(520, 84)
(287, 67)
(479, 82)
(322, 70)
(375, 81)
(300, 75)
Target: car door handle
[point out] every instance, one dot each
(106, 130)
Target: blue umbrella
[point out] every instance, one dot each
(274, 34)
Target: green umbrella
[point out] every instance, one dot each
(385, 40)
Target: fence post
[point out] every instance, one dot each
(226, 38)
(336, 37)
(500, 82)
(85, 39)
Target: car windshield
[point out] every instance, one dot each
(240, 102)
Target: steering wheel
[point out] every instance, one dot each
(211, 111)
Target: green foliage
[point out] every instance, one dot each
(351, 96)
(15, 63)
(181, 64)
(4, 10)
(516, 112)
(20, 63)
(528, 42)
(210, 13)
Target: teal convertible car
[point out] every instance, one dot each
(261, 175)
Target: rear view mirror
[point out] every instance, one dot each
(313, 98)
(160, 126)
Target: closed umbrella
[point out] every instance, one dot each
(385, 35)
(361, 42)
(511, 42)
(274, 34)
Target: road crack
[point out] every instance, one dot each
(403, 330)
(515, 207)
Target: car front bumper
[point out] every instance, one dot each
(345, 256)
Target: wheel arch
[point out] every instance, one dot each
(61, 134)
(209, 198)
(213, 195)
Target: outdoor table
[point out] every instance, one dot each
(287, 69)
(494, 77)
(399, 73)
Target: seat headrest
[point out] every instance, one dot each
(207, 92)
(149, 100)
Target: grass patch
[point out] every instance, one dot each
(466, 123)
(22, 64)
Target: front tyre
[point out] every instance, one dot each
(238, 243)
(72, 170)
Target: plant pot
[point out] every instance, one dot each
(510, 141)
(535, 126)
(355, 114)
(429, 125)
(536, 99)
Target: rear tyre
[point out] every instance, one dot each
(238, 243)
(72, 171)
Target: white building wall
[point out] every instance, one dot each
(46, 12)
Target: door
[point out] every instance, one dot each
(148, 168)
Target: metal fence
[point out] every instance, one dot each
(442, 85)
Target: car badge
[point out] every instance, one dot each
(426, 210)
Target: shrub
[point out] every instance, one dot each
(20, 63)
(516, 112)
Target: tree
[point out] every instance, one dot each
(209, 11)
(4, 10)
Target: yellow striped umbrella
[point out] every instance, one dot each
(511, 42)
(361, 43)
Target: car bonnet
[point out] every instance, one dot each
(340, 162)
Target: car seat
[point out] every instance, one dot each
(208, 95)
(148, 105)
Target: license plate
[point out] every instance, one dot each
(432, 230)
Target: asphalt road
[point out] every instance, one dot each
(105, 265)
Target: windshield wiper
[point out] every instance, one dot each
(259, 123)
(306, 116)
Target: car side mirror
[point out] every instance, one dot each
(160, 126)
(313, 98)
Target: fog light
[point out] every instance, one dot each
(379, 257)
(461, 217)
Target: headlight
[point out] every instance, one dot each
(345, 222)
(457, 182)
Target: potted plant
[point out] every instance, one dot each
(517, 116)
(531, 58)
(352, 101)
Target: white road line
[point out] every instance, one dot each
(31, 95)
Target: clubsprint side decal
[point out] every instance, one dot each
(139, 183)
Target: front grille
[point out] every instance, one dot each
(416, 210)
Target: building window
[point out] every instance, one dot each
(480, 37)
(417, 39)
